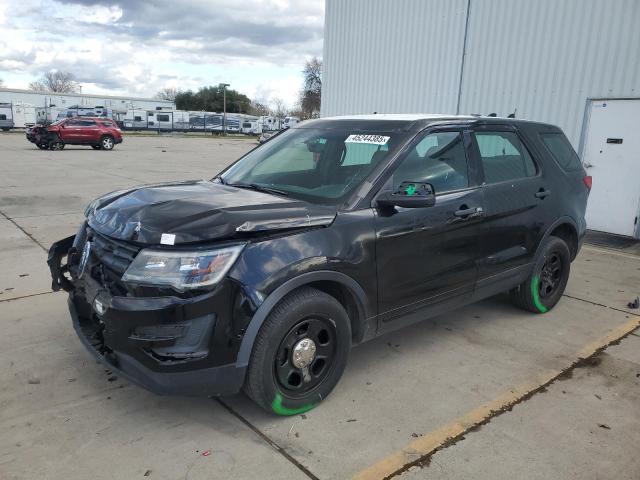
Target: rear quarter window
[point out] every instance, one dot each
(561, 150)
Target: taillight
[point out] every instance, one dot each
(588, 181)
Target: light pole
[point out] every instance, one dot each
(224, 107)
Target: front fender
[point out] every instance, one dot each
(279, 293)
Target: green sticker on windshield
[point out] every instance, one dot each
(410, 190)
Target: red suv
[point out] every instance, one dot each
(100, 133)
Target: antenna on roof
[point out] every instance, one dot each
(492, 115)
(513, 115)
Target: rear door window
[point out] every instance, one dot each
(561, 150)
(504, 157)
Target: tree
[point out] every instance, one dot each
(259, 107)
(55, 81)
(278, 107)
(168, 93)
(311, 87)
(211, 99)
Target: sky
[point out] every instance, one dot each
(131, 47)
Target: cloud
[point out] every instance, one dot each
(129, 46)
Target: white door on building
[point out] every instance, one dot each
(612, 158)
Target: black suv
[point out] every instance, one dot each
(329, 234)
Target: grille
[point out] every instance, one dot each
(109, 260)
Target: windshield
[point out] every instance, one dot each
(314, 164)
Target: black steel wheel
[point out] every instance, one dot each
(306, 355)
(550, 275)
(544, 288)
(299, 353)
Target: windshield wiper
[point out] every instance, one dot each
(258, 188)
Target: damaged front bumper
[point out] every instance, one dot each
(163, 344)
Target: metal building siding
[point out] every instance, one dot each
(392, 56)
(546, 57)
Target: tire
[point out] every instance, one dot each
(544, 288)
(96, 147)
(327, 324)
(6, 129)
(107, 142)
(56, 144)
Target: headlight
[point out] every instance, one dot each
(181, 269)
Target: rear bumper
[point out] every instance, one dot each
(164, 344)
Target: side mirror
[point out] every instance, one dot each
(409, 195)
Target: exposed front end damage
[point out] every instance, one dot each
(166, 342)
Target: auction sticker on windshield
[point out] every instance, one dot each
(370, 139)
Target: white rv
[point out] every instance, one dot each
(269, 123)
(290, 122)
(251, 127)
(24, 115)
(135, 119)
(159, 120)
(180, 120)
(6, 117)
(233, 124)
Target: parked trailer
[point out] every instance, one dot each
(205, 121)
(24, 115)
(181, 121)
(135, 119)
(6, 117)
(233, 124)
(290, 122)
(251, 127)
(160, 121)
(269, 123)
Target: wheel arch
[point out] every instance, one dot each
(566, 229)
(340, 286)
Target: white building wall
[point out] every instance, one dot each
(543, 58)
(546, 57)
(392, 55)
(120, 104)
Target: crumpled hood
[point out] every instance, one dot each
(199, 211)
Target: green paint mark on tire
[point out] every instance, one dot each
(279, 409)
(535, 291)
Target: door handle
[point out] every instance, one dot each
(542, 193)
(466, 213)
